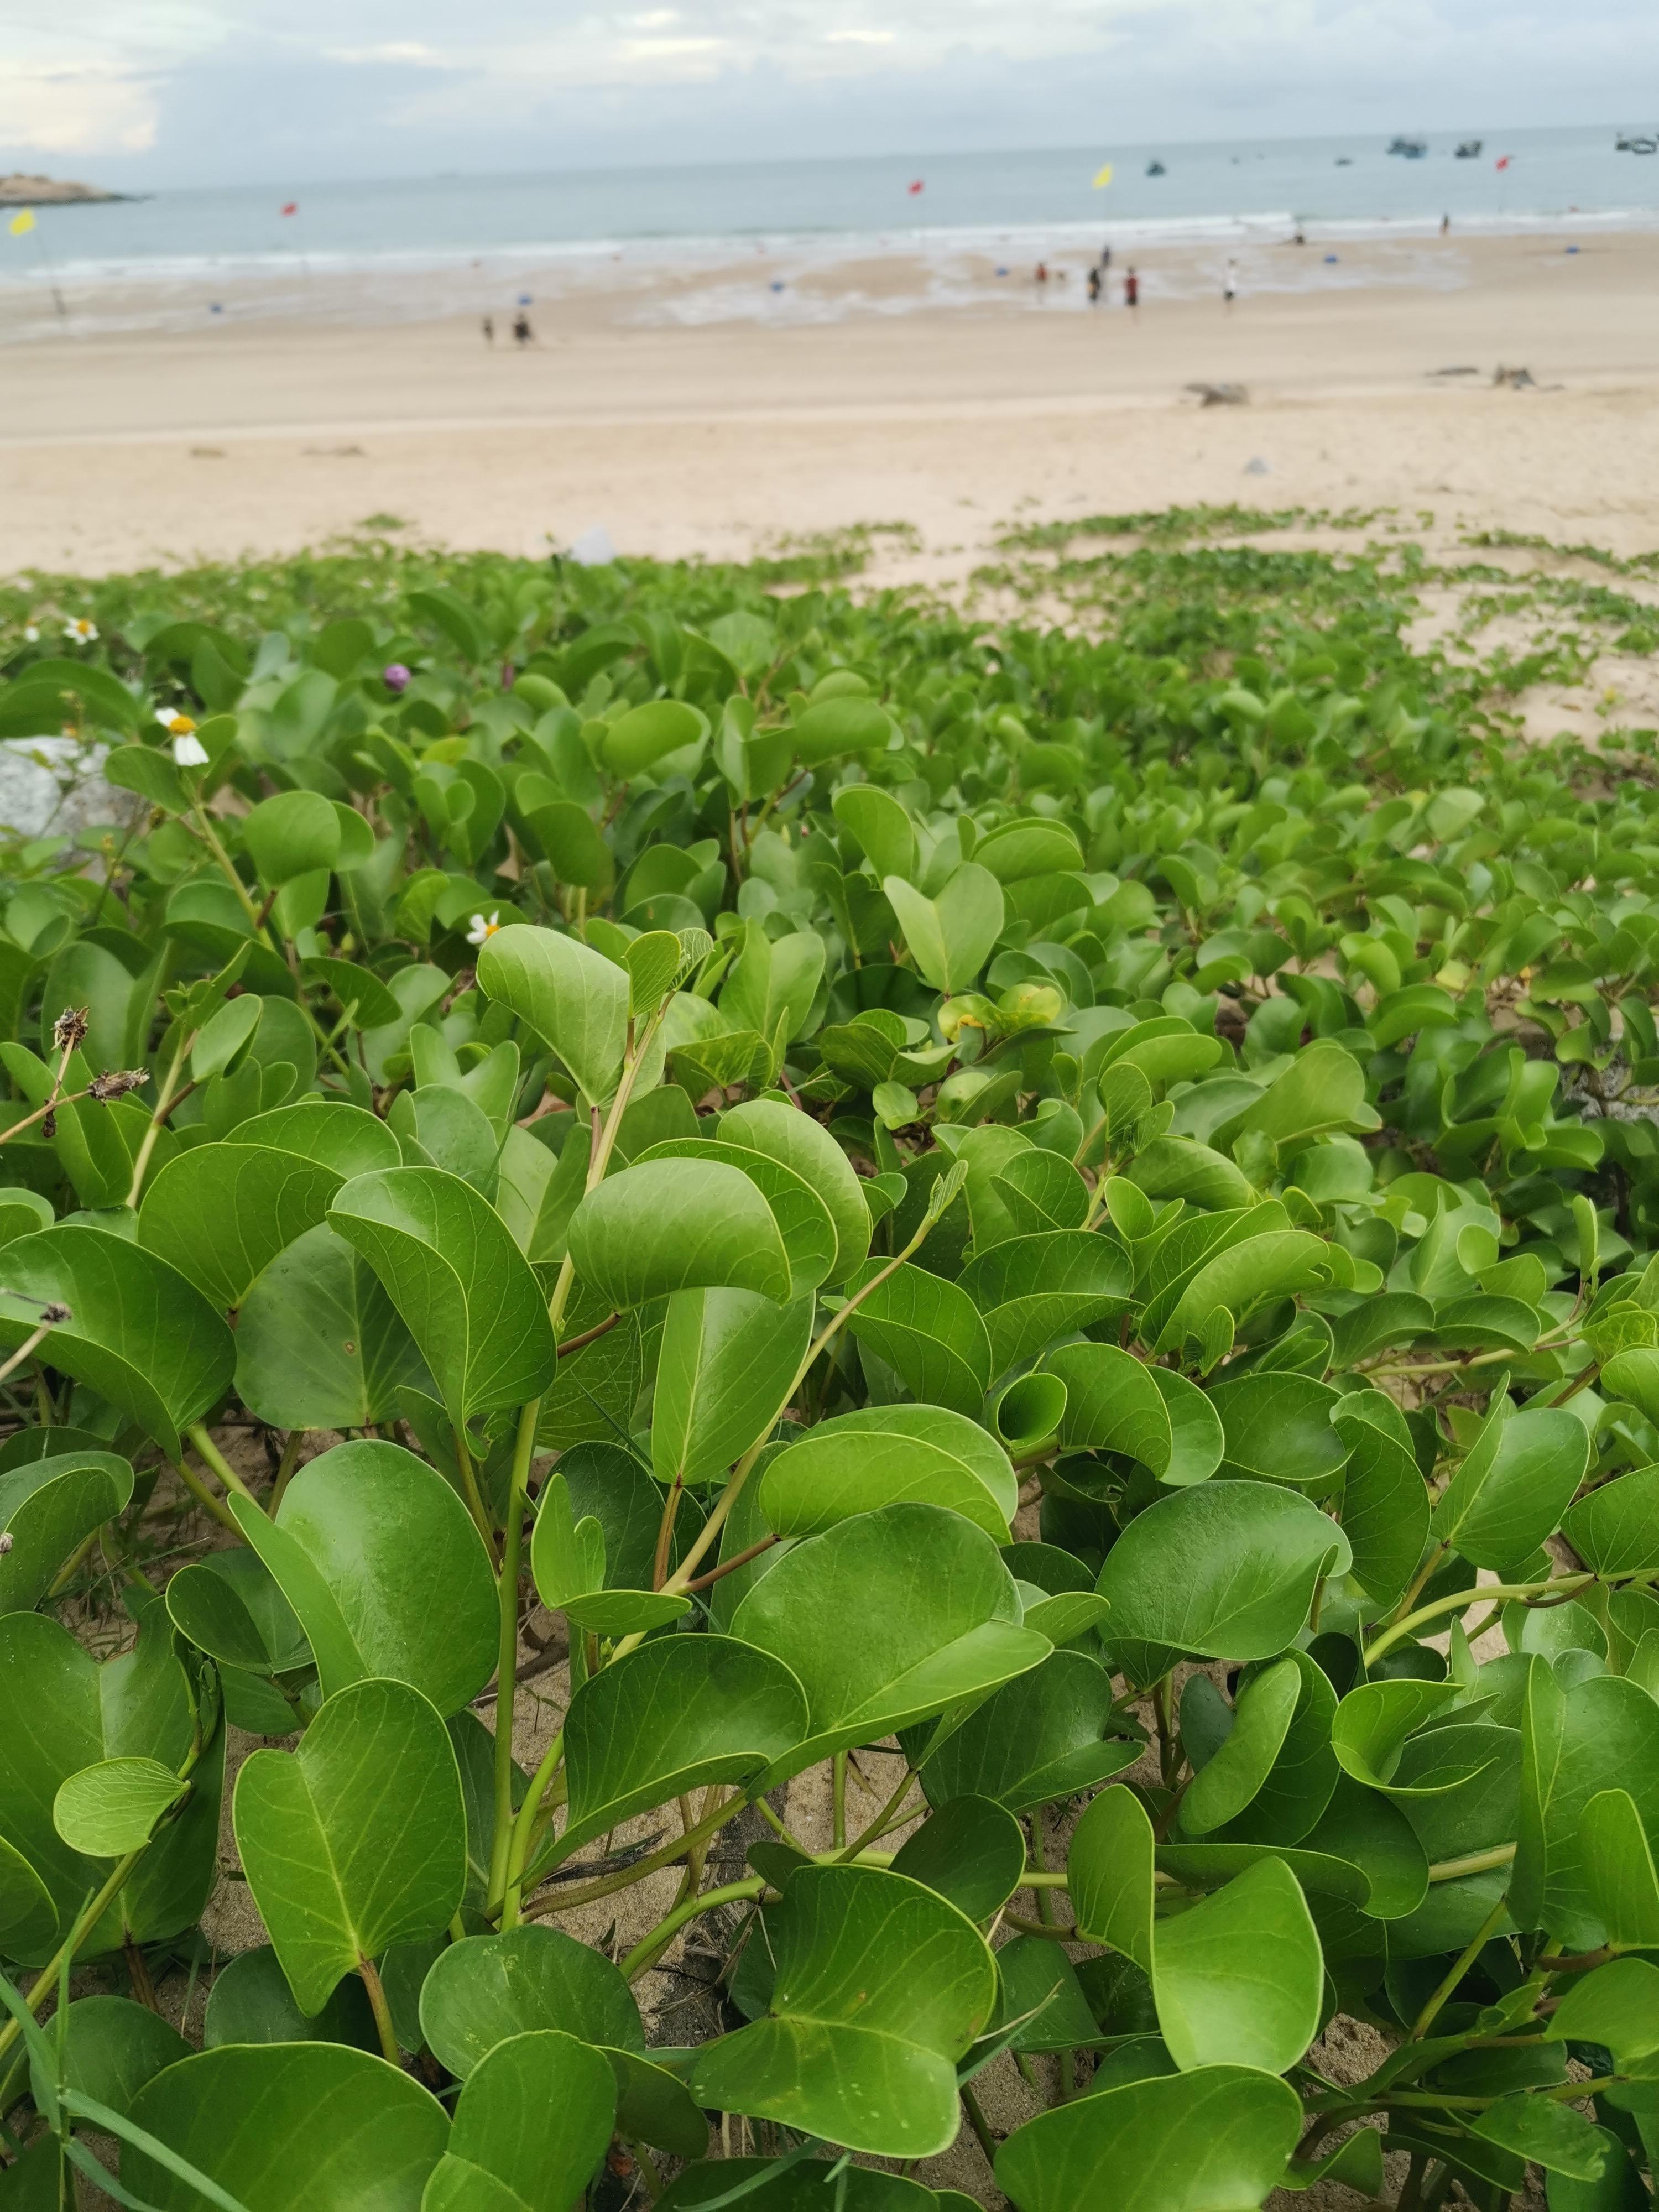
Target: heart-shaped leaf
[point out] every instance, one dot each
(138, 1333)
(573, 999)
(356, 1839)
(671, 1717)
(1215, 2139)
(867, 2060)
(354, 2131)
(885, 1455)
(449, 1265)
(887, 1620)
(1227, 1570)
(678, 1224)
(363, 1535)
(533, 2118)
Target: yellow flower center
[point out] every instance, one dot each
(181, 725)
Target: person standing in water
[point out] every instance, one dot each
(1131, 289)
(1230, 284)
(1445, 225)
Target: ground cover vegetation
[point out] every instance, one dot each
(1055, 1223)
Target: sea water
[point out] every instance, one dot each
(421, 245)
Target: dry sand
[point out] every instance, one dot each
(269, 435)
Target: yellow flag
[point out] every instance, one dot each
(1103, 176)
(22, 221)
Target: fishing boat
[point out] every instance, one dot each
(1468, 149)
(1156, 169)
(1413, 150)
(1644, 145)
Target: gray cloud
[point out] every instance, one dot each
(190, 91)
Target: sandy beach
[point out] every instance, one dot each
(720, 435)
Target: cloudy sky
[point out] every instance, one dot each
(146, 94)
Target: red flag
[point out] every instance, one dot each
(915, 187)
(1502, 162)
(291, 207)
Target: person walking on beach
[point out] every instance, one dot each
(489, 330)
(1131, 289)
(522, 333)
(1230, 284)
(1445, 225)
(1094, 288)
(1041, 279)
(1105, 261)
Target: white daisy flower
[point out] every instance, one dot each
(188, 752)
(32, 633)
(82, 631)
(483, 928)
(175, 724)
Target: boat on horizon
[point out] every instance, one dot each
(1156, 169)
(1468, 149)
(1414, 149)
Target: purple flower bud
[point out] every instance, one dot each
(396, 677)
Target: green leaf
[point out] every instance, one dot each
(881, 827)
(250, 2001)
(534, 2115)
(1600, 1735)
(1619, 1863)
(886, 1455)
(356, 1839)
(867, 2058)
(1277, 1427)
(727, 1362)
(644, 735)
(1045, 1735)
(291, 834)
(449, 1265)
(1617, 2005)
(364, 1535)
(930, 1330)
(970, 1850)
(111, 1808)
(490, 1987)
(1031, 1290)
(1373, 1723)
(573, 999)
(1227, 1782)
(288, 2128)
(1215, 2139)
(67, 1713)
(762, 1126)
(318, 1343)
(48, 1507)
(1385, 1510)
(1256, 1272)
(802, 1219)
(1226, 1571)
(220, 1213)
(673, 1715)
(1615, 1529)
(567, 1557)
(112, 2049)
(140, 1335)
(678, 1224)
(1544, 2133)
(1116, 1403)
(1237, 1979)
(949, 937)
(887, 1620)
(1513, 1487)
